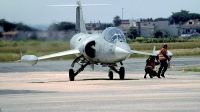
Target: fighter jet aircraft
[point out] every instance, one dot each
(106, 49)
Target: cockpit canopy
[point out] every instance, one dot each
(113, 34)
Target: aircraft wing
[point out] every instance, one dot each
(154, 53)
(32, 59)
(140, 52)
(74, 51)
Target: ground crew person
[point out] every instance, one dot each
(163, 58)
(150, 66)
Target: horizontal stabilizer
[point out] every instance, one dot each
(80, 24)
(75, 5)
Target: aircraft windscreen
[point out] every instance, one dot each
(113, 34)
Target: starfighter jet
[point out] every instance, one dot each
(107, 49)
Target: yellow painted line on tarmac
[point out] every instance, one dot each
(99, 100)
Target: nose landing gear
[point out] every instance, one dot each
(121, 72)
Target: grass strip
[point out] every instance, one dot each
(10, 51)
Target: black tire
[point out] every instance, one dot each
(71, 74)
(145, 77)
(110, 75)
(121, 73)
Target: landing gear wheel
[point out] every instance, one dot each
(110, 75)
(71, 75)
(121, 73)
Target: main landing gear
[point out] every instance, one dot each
(81, 61)
(121, 72)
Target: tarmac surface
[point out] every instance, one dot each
(46, 87)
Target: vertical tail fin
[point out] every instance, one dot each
(80, 24)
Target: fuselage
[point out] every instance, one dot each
(100, 48)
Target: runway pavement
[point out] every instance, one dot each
(131, 65)
(46, 87)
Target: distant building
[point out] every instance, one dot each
(147, 27)
(191, 26)
(125, 25)
(8, 36)
(92, 26)
(10, 33)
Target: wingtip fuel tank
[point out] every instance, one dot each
(29, 59)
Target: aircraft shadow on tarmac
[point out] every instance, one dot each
(9, 91)
(105, 79)
(89, 79)
(95, 79)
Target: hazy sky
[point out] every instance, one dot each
(33, 12)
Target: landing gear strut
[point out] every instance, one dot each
(110, 74)
(80, 60)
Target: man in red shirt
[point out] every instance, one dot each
(163, 58)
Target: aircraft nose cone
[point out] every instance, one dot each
(121, 54)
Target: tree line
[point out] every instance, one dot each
(176, 18)
(8, 26)
(182, 16)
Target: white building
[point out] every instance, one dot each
(191, 26)
(147, 27)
